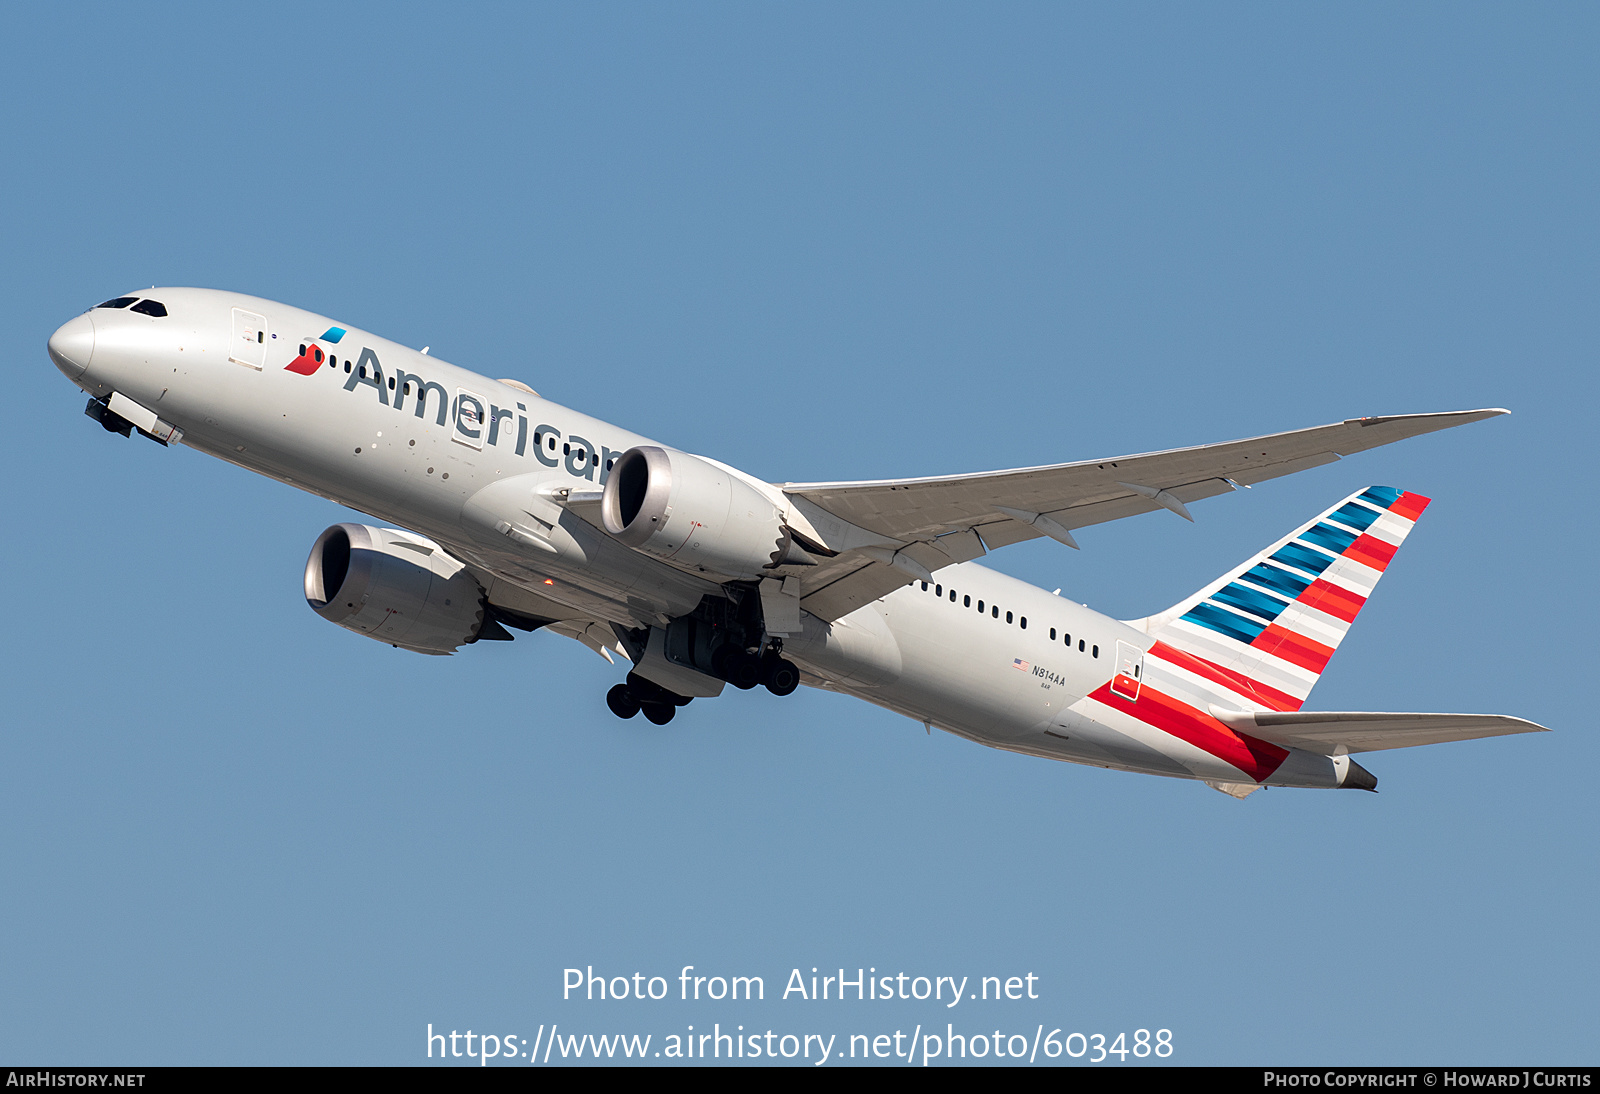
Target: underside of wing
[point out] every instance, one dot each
(882, 534)
(1353, 731)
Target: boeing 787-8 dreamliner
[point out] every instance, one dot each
(514, 512)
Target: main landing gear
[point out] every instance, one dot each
(640, 696)
(745, 670)
(741, 669)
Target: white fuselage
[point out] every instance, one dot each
(377, 427)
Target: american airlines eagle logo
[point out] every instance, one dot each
(312, 356)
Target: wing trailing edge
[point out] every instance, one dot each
(922, 518)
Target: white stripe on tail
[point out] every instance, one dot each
(1261, 634)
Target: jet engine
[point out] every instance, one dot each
(692, 512)
(395, 587)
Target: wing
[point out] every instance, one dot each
(914, 526)
(1363, 732)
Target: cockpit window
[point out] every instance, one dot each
(151, 307)
(119, 302)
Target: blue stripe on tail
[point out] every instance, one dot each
(1303, 558)
(1225, 622)
(1279, 581)
(1250, 600)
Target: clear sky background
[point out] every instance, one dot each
(815, 241)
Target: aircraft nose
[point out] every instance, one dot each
(72, 345)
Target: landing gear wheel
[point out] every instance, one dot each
(659, 713)
(622, 701)
(744, 670)
(780, 675)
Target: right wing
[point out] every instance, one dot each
(883, 533)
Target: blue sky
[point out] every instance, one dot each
(815, 241)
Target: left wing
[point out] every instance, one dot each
(915, 526)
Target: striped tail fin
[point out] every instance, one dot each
(1262, 634)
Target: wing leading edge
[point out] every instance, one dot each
(927, 523)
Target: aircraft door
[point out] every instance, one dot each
(248, 346)
(1130, 667)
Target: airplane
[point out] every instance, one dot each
(513, 513)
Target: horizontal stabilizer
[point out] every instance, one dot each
(1354, 731)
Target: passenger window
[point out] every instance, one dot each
(924, 586)
(1052, 634)
(1067, 638)
(1097, 651)
(1024, 622)
(938, 590)
(391, 383)
(1080, 645)
(1008, 617)
(980, 607)
(159, 310)
(119, 302)
(966, 601)
(995, 611)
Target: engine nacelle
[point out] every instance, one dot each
(686, 510)
(394, 586)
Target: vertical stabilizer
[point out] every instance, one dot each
(1261, 635)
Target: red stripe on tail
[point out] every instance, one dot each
(1409, 505)
(1371, 551)
(1294, 648)
(1258, 759)
(1269, 697)
(1336, 600)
